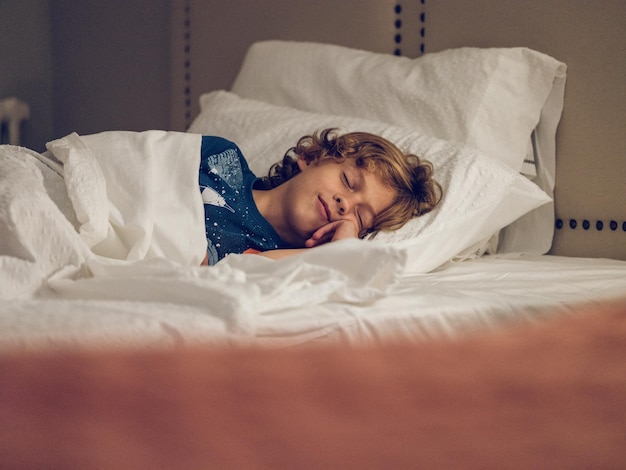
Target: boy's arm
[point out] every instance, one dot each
(331, 232)
(337, 230)
(281, 253)
(271, 254)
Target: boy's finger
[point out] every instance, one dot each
(324, 230)
(318, 239)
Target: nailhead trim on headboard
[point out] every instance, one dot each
(398, 26)
(586, 225)
(187, 63)
(423, 27)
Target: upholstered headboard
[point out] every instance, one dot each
(590, 190)
(210, 38)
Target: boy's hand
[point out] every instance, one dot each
(333, 231)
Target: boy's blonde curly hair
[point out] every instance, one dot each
(417, 191)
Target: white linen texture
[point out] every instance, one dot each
(490, 99)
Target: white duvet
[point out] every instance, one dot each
(128, 226)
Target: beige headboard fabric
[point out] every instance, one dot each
(210, 38)
(590, 37)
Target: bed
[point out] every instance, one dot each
(102, 237)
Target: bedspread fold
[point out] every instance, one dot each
(135, 193)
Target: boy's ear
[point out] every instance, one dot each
(302, 163)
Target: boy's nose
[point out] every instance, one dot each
(341, 204)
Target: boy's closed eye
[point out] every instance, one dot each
(351, 186)
(347, 182)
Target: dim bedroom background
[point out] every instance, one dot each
(524, 260)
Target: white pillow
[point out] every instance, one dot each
(488, 98)
(481, 195)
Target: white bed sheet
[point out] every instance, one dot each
(458, 298)
(461, 297)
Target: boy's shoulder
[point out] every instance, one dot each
(219, 148)
(215, 144)
(223, 157)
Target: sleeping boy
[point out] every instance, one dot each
(327, 187)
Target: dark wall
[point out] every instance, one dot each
(86, 65)
(26, 64)
(110, 65)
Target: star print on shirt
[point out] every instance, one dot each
(210, 196)
(226, 165)
(233, 223)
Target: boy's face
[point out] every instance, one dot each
(327, 191)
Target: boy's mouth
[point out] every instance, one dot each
(325, 211)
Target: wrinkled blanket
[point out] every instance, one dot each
(134, 231)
